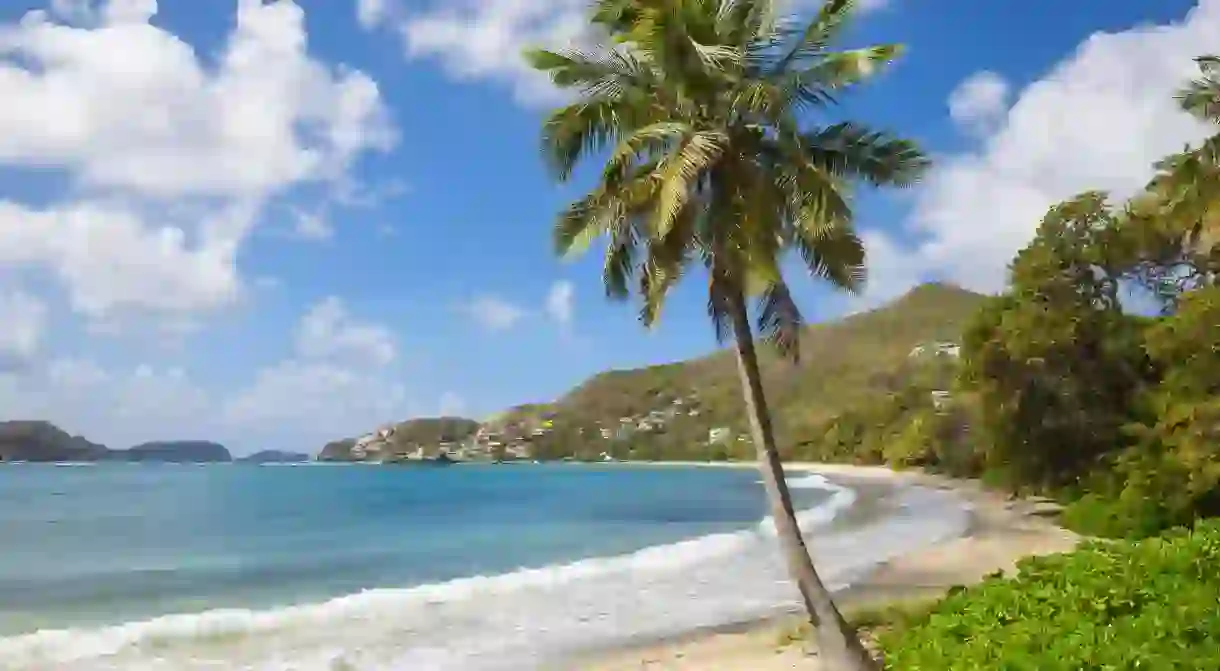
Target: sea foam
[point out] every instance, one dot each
(519, 620)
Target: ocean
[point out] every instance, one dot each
(344, 568)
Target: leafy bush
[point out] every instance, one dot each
(1127, 516)
(1147, 604)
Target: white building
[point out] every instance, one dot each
(937, 349)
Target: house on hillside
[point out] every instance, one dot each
(936, 349)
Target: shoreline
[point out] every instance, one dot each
(1001, 531)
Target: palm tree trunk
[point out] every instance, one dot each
(839, 647)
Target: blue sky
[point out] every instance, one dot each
(277, 224)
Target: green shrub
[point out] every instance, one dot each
(1101, 516)
(1150, 604)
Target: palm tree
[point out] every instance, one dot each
(1201, 97)
(699, 109)
(1189, 182)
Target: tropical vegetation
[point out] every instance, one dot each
(1095, 377)
(1147, 604)
(696, 108)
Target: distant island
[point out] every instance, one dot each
(41, 441)
(274, 457)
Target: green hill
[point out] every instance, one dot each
(844, 363)
(667, 411)
(395, 442)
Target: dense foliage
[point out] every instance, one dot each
(1096, 376)
(1149, 604)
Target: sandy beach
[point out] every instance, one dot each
(1002, 531)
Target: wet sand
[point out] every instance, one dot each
(1002, 531)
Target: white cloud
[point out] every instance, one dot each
(559, 303)
(74, 11)
(979, 102)
(109, 258)
(892, 270)
(311, 224)
(317, 398)
(22, 318)
(148, 132)
(371, 13)
(493, 313)
(126, 104)
(1097, 120)
(475, 39)
(120, 407)
(484, 39)
(864, 6)
(327, 331)
(337, 383)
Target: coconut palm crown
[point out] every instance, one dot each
(699, 113)
(1189, 182)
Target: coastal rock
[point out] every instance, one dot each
(274, 457)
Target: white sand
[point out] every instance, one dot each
(1003, 532)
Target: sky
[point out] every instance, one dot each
(274, 224)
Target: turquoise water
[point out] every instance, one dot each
(355, 567)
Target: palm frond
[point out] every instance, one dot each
(584, 221)
(619, 265)
(1201, 97)
(577, 130)
(666, 261)
(780, 321)
(593, 72)
(813, 194)
(816, 85)
(749, 24)
(651, 140)
(679, 173)
(851, 151)
(833, 253)
(815, 37)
